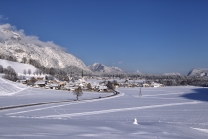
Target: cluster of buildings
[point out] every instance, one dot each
(137, 83)
(87, 84)
(71, 85)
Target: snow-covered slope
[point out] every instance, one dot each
(8, 88)
(198, 72)
(100, 68)
(171, 74)
(18, 67)
(15, 43)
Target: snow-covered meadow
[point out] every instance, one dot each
(161, 113)
(12, 94)
(18, 67)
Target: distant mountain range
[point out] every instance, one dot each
(100, 68)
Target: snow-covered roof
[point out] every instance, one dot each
(54, 85)
(103, 87)
(40, 82)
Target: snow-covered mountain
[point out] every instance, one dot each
(172, 74)
(137, 72)
(100, 68)
(16, 44)
(198, 72)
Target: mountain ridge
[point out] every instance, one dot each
(16, 44)
(100, 68)
(198, 72)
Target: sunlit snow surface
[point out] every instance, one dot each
(18, 67)
(161, 113)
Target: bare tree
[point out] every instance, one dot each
(78, 92)
(5, 71)
(10, 74)
(40, 72)
(1, 69)
(24, 60)
(110, 85)
(35, 63)
(29, 71)
(36, 71)
(24, 71)
(89, 86)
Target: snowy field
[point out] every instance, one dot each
(18, 67)
(12, 94)
(161, 113)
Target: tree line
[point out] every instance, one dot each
(177, 80)
(7, 57)
(9, 73)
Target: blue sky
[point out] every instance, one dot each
(152, 36)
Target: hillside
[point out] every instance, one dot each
(198, 72)
(18, 67)
(8, 88)
(16, 44)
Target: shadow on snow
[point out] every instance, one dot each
(200, 94)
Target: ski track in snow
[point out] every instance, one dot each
(162, 94)
(171, 99)
(72, 103)
(60, 115)
(202, 130)
(162, 98)
(118, 110)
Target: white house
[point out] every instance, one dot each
(153, 84)
(102, 88)
(40, 84)
(82, 80)
(145, 85)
